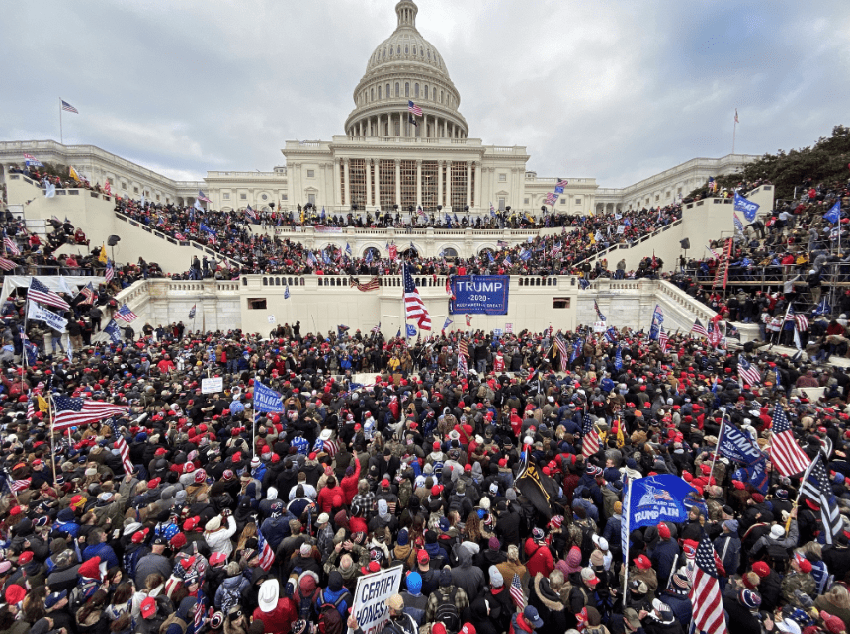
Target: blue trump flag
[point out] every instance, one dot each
(411, 331)
(747, 207)
(655, 499)
(834, 214)
(738, 446)
(266, 399)
(113, 331)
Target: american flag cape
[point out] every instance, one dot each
(517, 595)
(816, 487)
(265, 551)
(784, 451)
(38, 292)
(590, 437)
(70, 412)
(801, 322)
(705, 594)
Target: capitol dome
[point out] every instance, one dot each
(406, 67)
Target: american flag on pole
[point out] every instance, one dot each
(7, 265)
(562, 350)
(699, 329)
(266, 552)
(705, 593)
(662, 339)
(126, 314)
(562, 183)
(203, 197)
(10, 245)
(38, 292)
(19, 485)
(414, 307)
(816, 488)
(121, 445)
(77, 411)
(784, 451)
(88, 294)
(414, 109)
(110, 271)
(800, 320)
(68, 107)
(251, 213)
(748, 372)
(463, 347)
(551, 197)
(517, 594)
(590, 437)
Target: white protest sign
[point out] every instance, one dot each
(212, 386)
(271, 319)
(599, 326)
(370, 598)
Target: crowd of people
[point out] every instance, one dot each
(227, 519)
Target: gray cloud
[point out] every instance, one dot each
(614, 89)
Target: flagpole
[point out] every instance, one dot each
(60, 122)
(628, 512)
(719, 439)
(800, 493)
(53, 436)
(734, 129)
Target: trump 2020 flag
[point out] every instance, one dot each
(834, 214)
(266, 399)
(747, 207)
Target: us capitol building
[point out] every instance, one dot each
(384, 161)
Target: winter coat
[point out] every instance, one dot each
(219, 541)
(548, 603)
(466, 576)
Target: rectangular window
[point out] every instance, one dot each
(578, 201)
(357, 184)
(225, 196)
(243, 196)
(429, 186)
(503, 178)
(407, 174)
(135, 190)
(526, 200)
(257, 304)
(501, 204)
(123, 185)
(387, 185)
(311, 198)
(311, 173)
(110, 181)
(284, 196)
(157, 196)
(560, 303)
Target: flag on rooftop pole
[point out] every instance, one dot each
(414, 109)
(68, 107)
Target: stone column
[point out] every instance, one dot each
(368, 182)
(448, 185)
(469, 183)
(378, 183)
(398, 182)
(418, 182)
(347, 201)
(336, 180)
(479, 203)
(440, 165)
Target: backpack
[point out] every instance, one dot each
(446, 612)
(305, 606)
(777, 557)
(130, 561)
(229, 598)
(330, 620)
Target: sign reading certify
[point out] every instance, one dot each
(370, 597)
(212, 386)
(479, 295)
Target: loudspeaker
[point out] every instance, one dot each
(113, 240)
(466, 208)
(395, 207)
(686, 243)
(439, 208)
(543, 209)
(353, 207)
(507, 208)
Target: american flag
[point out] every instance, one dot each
(20, 485)
(266, 552)
(251, 213)
(38, 292)
(110, 271)
(784, 451)
(699, 329)
(662, 339)
(7, 265)
(121, 446)
(421, 213)
(463, 347)
(414, 109)
(88, 294)
(462, 366)
(203, 197)
(598, 312)
(124, 313)
(516, 592)
(551, 197)
(10, 245)
(556, 248)
(562, 350)
(705, 593)
(372, 285)
(414, 307)
(77, 411)
(200, 608)
(107, 187)
(748, 372)
(590, 437)
(377, 328)
(739, 226)
(816, 487)
(68, 107)
(562, 183)
(501, 244)
(800, 320)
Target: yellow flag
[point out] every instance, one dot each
(42, 404)
(302, 217)
(73, 173)
(592, 239)
(102, 258)
(621, 437)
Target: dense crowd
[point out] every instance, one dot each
(233, 235)
(225, 519)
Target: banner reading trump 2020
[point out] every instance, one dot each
(370, 597)
(479, 295)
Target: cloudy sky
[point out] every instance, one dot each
(615, 89)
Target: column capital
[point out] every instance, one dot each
(418, 162)
(471, 163)
(344, 160)
(397, 162)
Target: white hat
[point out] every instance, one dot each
(777, 531)
(600, 541)
(269, 594)
(323, 518)
(326, 434)
(214, 524)
(788, 625)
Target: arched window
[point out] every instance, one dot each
(406, 89)
(398, 49)
(405, 50)
(373, 94)
(416, 90)
(429, 54)
(388, 91)
(391, 51)
(441, 96)
(421, 54)
(379, 92)
(426, 91)
(396, 90)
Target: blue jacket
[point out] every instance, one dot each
(104, 551)
(663, 559)
(330, 596)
